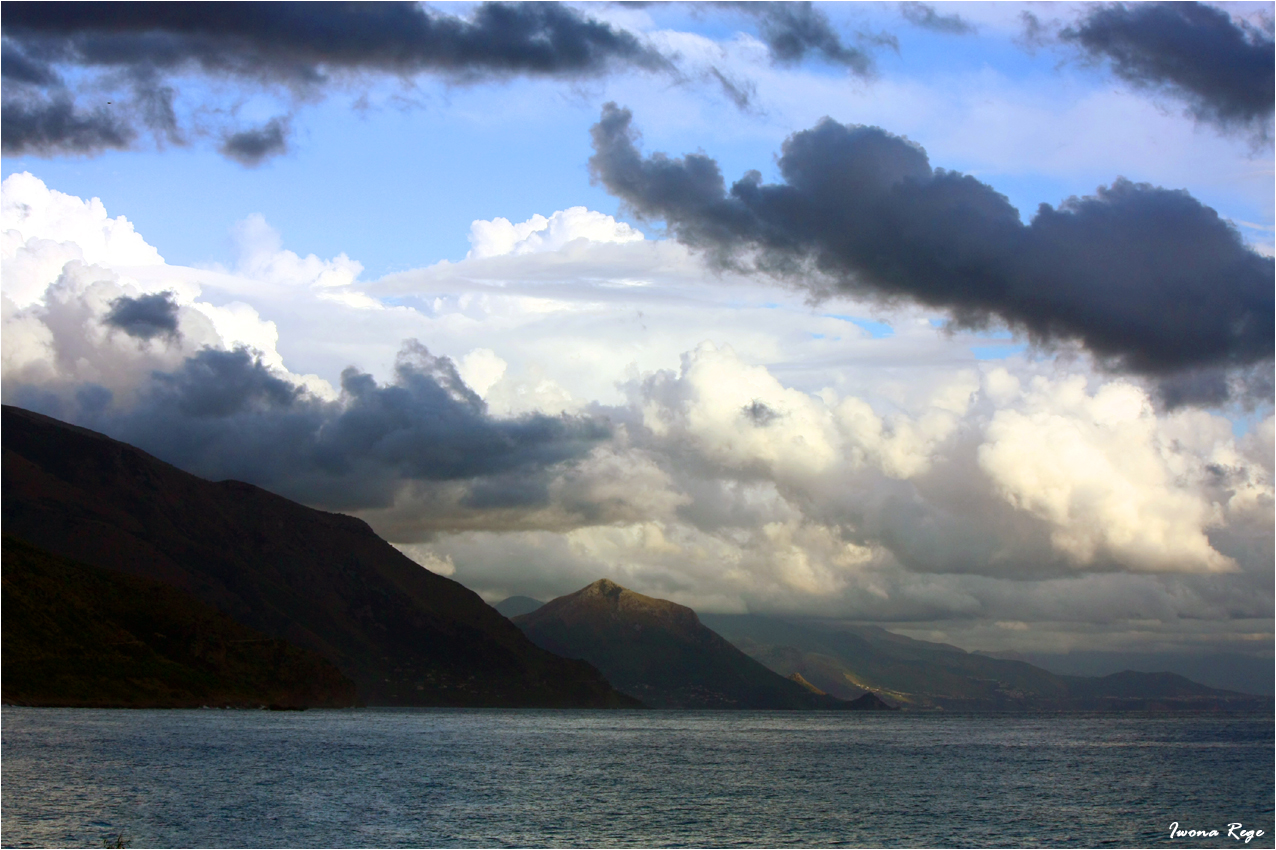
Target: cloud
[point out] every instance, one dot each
(804, 461)
(739, 92)
(144, 317)
(41, 230)
(53, 125)
(304, 45)
(1033, 32)
(1104, 484)
(71, 337)
(253, 147)
(224, 414)
(74, 277)
(793, 31)
(128, 347)
(960, 482)
(1149, 280)
(87, 78)
(542, 235)
(1220, 67)
(924, 15)
(139, 51)
(261, 255)
(432, 562)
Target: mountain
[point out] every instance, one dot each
(320, 581)
(848, 661)
(1229, 671)
(516, 605)
(660, 653)
(75, 635)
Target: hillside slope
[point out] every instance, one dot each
(319, 580)
(75, 635)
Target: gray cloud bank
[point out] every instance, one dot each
(223, 414)
(302, 46)
(1148, 279)
(1221, 69)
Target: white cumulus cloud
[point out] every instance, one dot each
(542, 235)
(1105, 474)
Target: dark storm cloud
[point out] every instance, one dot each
(924, 16)
(17, 68)
(305, 42)
(794, 31)
(1148, 279)
(1215, 385)
(217, 384)
(224, 415)
(43, 125)
(253, 147)
(1224, 71)
(304, 46)
(144, 317)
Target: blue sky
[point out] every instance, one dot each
(977, 484)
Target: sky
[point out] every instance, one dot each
(952, 318)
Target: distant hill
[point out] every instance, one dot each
(75, 635)
(660, 653)
(848, 661)
(321, 581)
(1225, 670)
(516, 605)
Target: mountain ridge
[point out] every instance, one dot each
(319, 580)
(846, 661)
(659, 651)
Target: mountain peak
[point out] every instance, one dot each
(606, 601)
(605, 587)
(659, 652)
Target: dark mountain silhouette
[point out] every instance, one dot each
(321, 581)
(516, 605)
(76, 635)
(660, 652)
(848, 661)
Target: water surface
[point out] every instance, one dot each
(492, 778)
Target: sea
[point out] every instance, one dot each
(529, 778)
